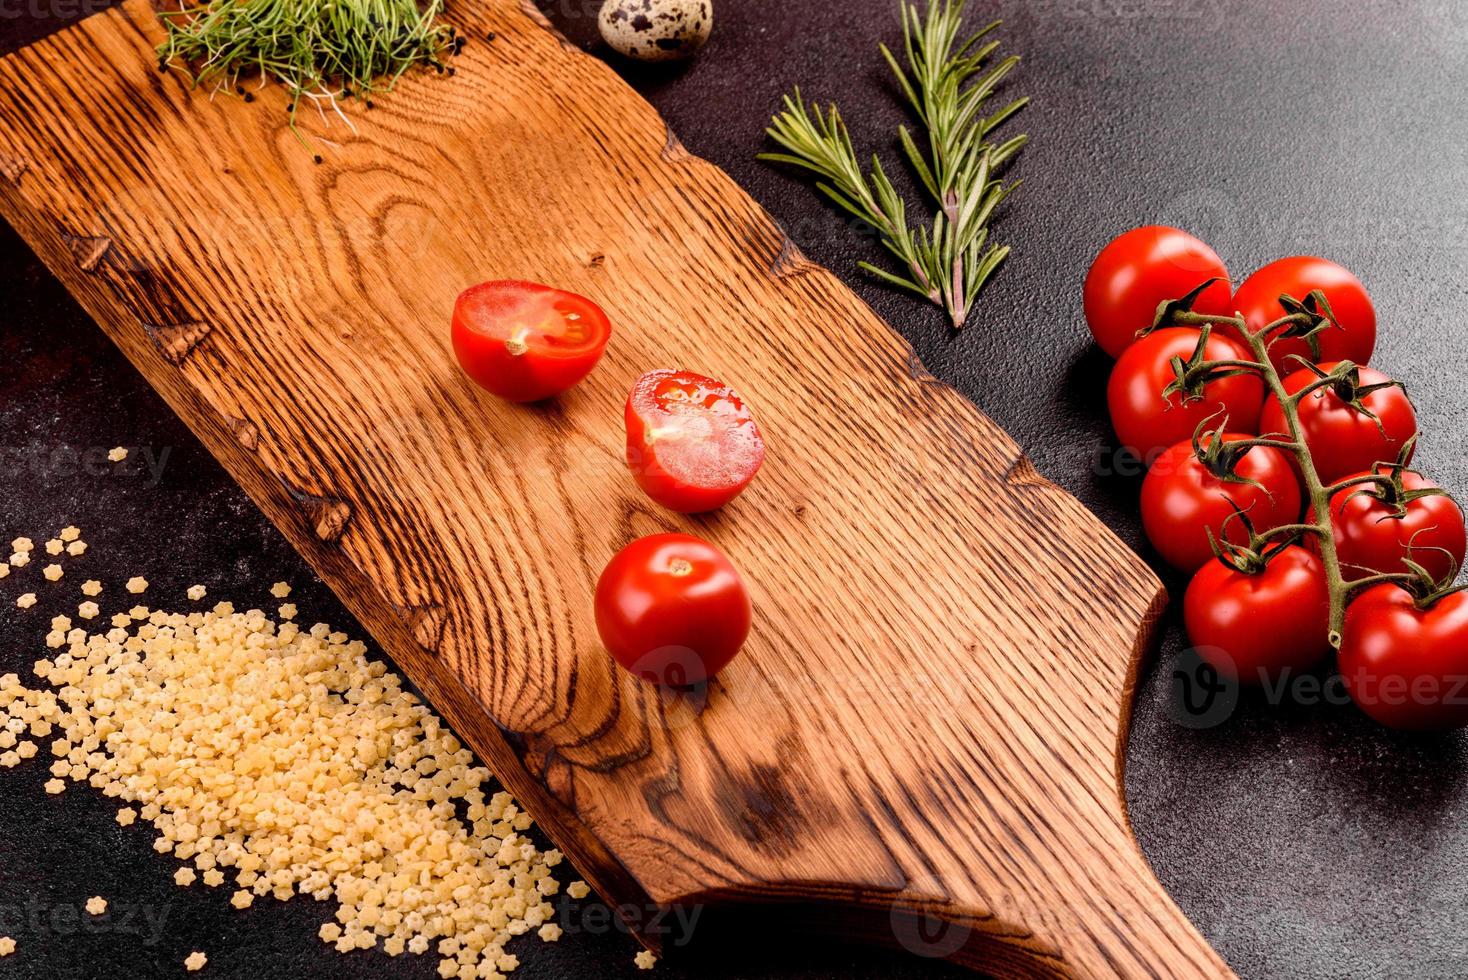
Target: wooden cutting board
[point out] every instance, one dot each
(929, 719)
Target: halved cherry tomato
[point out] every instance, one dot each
(672, 609)
(1183, 500)
(1139, 271)
(1353, 338)
(1256, 627)
(524, 342)
(1147, 423)
(1342, 439)
(1371, 537)
(1404, 666)
(692, 444)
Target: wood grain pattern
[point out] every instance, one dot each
(929, 717)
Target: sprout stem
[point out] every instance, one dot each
(319, 50)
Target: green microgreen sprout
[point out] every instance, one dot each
(320, 51)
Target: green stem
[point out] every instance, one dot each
(1288, 447)
(1287, 529)
(1311, 388)
(1316, 491)
(1398, 577)
(1356, 481)
(1246, 365)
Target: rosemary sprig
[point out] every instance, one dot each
(321, 51)
(948, 80)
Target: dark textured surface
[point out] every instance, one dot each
(1304, 841)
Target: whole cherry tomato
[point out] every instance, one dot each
(672, 609)
(524, 342)
(692, 444)
(1371, 535)
(1255, 627)
(1185, 497)
(1147, 423)
(1142, 269)
(1341, 438)
(1404, 666)
(1353, 338)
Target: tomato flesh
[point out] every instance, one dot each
(1183, 501)
(1140, 270)
(692, 443)
(1342, 439)
(526, 342)
(672, 609)
(1370, 538)
(1352, 338)
(1147, 423)
(1407, 667)
(1257, 628)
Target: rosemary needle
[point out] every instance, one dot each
(321, 51)
(948, 80)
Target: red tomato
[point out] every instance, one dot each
(692, 443)
(672, 609)
(1142, 269)
(1371, 538)
(1148, 424)
(1407, 667)
(1341, 439)
(524, 341)
(1183, 499)
(1255, 627)
(1354, 339)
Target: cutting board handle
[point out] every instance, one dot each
(1110, 917)
(1111, 920)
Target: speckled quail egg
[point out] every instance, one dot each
(657, 30)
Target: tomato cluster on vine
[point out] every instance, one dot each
(1279, 473)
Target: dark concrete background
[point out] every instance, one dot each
(1303, 840)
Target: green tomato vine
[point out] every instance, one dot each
(1303, 319)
